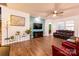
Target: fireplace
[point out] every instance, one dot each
(37, 34)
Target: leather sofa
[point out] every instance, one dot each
(67, 49)
(59, 52)
(77, 48)
(70, 46)
(63, 34)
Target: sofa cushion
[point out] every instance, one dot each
(63, 34)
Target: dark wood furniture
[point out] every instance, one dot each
(63, 34)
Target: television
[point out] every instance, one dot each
(37, 26)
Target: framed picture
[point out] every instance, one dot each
(17, 20)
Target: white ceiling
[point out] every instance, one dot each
(42, 9)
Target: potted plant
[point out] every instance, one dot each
(18, 33)
(28, 31)
(11, 38)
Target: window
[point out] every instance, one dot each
(61, 25)
(69, 25)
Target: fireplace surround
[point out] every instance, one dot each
(37, 34)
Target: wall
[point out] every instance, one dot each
(47, 22)
(5, 16)
(55, 21)
(37, 20)
(6, 12)
(74, 18)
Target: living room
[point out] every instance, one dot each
(40, 26)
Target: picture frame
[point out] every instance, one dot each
(17, 20)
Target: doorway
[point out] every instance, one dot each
(49, 28)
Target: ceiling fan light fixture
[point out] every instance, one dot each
(54, 15)
(55, 11)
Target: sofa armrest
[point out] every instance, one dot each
(59, 52)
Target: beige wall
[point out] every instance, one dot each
(6, 12)
(47, 22)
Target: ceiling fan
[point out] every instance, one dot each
(56, 11)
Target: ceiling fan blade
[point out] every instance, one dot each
(60, 12)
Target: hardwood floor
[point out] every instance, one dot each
(35, 47)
